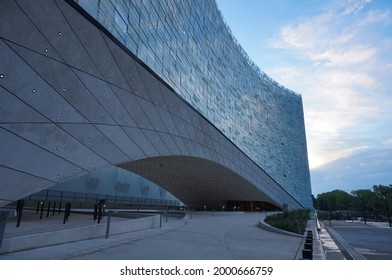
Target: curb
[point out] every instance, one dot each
(347, 250)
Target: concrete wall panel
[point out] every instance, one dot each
(19, 112)
(95, 140)
(92, 40)
(52, 24)
(152, 114)
(173, 103)
(122, 141)
(17, 184)
(168, 121)
(169, 143)
(153, 87)
(18, 28)
(194, 119)
(191, 149)
(157, 142)
(63, 79)
(127, 100)
(180, 125)
(132, 105)
(200, 136)
(141, 141)
(27, 85)
(106, 98)
(181, 145)
(19, 154)
(184, 108)
(55, 140)
(128, 67)
(143, 80)
(190, 131)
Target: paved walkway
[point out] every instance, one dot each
(331, 249)
(204, 236)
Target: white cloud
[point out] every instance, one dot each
(346, 79)
(344, 56)
(341, 69)
(354, 6)
(376, 16)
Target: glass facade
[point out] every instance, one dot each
(114, 185)
(189, 45)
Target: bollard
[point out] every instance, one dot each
(48, 210)
(108, 224)
(54, 208)
(307, 254)
(19, 211)
(110, 213)
(69, 210)
(309, 241)
(99, 213)
(308, 246)
(95, 215)
(42, 209)
(38, 204)
(65, 217)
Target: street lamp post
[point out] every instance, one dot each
(363, 209)
(384, 193)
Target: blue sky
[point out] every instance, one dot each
(338, 55)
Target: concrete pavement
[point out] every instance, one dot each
(331, 249)
(202, 235)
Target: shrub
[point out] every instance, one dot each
(289, 220)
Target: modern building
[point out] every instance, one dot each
(158, 88)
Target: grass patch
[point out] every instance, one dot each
(289, 220)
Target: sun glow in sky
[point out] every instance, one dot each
(337, 54)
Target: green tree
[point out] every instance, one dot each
(384, 202)
(364, 202)
(376, 204)
(334, 200)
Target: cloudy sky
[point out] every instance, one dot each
(338, 55)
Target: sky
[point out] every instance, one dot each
(338, 55)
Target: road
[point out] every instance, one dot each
(373, 240)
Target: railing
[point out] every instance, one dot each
(64, 196)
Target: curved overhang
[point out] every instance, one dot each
(73, 100)
(198, 182)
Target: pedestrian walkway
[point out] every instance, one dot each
(202, 235)
(331, 249)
